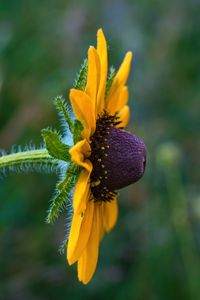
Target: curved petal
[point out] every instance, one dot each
(84, 111)
(79, 233)
(78, 153)
(103, 56)
(110, 214)
(93, 75)
(124, 116)
(102, 229)
(88, 260)
(123, 72)
(73, 236)
(123, 98)
(119, 80)
(81, 193)
(118, 100)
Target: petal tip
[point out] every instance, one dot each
(129, 55)
(70, 262)
(100, 32)
(91, 52)
(69, 258)
(83, 280)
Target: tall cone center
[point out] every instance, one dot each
(118, 158)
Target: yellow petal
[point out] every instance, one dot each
(84, 111)
(110, 214)
(102, 227)
(124, 116)
(118, 100)
(81, 193)
(73, 236)
(79, 152)
(123, 98)
(103, 56)
(93, 75)
(118, 83)
(123, 72)
(88, 260)
(79, 233)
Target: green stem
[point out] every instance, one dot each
(38, 156)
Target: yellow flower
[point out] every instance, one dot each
(94, 202)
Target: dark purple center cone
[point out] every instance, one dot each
(118, 158)
(126, 158)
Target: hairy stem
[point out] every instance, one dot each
(38, 156)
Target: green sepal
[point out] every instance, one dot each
(81, 78)
(63, 246)
(55, 146)
(65, 109)
(72, 172)
(63, 192)
(78, 128)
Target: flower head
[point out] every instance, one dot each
(95, 156)
(110, 157)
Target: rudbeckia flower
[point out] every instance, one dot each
(95, 156)
(110, 158)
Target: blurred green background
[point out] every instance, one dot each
(154, 251)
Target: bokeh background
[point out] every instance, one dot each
(154, 251)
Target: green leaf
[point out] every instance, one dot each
(65, 109)
(78, 128)
(55, 146)
(63, 191)
(81, 78)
